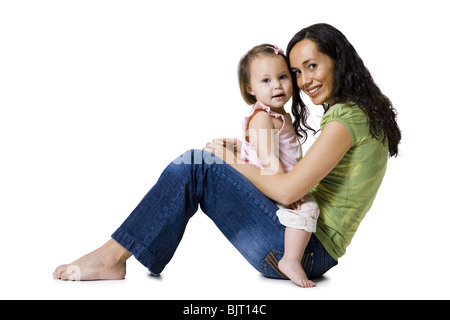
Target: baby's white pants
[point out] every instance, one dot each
(305, 218)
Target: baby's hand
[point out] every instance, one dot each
(297, 205)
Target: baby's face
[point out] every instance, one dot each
(270, 81)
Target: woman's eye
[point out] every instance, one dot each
(312, 66)
(297, 73)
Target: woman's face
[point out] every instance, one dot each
(314, 71)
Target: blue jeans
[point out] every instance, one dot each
(243, 214)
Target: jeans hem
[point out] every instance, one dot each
(139, 251)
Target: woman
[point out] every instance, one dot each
(343, 168)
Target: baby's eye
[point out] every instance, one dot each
(265, 80)
(283, 77)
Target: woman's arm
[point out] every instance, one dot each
(329, 148)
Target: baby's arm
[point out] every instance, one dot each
(262, 130)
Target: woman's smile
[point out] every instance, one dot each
(314, 91)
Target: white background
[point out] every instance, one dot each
(96, 97)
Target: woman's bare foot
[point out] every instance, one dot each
(293, 270)
(106, 263)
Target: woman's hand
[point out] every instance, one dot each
(226, 148)
(230, 143)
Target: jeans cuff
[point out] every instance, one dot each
(139, 251)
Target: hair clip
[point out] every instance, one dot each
(277, 50)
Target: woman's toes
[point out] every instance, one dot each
(72, 273)
(58, 271)
(67, 272)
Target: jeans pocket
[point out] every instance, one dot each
(269, 266)
(308, 263)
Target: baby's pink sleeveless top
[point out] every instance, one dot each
(289, 149)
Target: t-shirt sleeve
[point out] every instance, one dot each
(351, 116)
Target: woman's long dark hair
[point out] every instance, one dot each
(352, 83)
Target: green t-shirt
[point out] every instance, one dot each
(346, 194)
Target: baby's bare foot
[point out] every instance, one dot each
(106, 263)
(293, 270)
